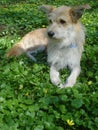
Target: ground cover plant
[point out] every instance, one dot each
(28, 101)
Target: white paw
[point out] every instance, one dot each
(55, 81)
(65, 85)
(68, 85)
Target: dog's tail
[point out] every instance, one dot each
(16, 50)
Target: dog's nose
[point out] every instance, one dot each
(50, 34)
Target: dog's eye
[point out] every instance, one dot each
(50, 21)
(62, 21)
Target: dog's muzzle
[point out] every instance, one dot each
(50, 34)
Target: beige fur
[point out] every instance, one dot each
(66, 41)
(31, 43)
(64, 38)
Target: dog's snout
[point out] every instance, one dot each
(50, 33)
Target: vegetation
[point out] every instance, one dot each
(28, 101)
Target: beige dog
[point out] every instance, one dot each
(65, 38)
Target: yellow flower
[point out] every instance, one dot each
(43, 26)
(27, 94)
(20, 87)
(89, 82)
(70, 122)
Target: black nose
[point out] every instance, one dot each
(50, 34)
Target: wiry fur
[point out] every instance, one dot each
(31, 43)
(64, 42)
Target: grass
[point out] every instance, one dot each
(28, 101)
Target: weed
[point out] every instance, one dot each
(28, 101)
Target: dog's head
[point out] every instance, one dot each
(62, 19)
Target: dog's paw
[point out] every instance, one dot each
(55, 81)
(54, 76)
(68, 85)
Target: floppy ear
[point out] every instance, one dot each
(76, 12)
(46, 8)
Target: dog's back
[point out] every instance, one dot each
(30, 43)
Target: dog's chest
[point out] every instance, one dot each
(62, 57)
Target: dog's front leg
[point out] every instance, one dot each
(72, 78)
(54, 75)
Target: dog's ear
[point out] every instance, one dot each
(76, 12)
(47, 8)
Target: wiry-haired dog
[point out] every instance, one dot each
(64, 38)
(66, 41)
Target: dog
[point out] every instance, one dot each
(64, 38)
(67, 37)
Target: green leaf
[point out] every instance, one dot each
(39, 127)
(62, 108)
(77, 103)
